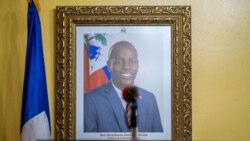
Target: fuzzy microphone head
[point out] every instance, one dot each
(130, 93)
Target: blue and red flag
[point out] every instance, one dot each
(96, 71)
(35, 120)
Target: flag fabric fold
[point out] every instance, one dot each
(35, 118)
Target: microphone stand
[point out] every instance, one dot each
(130, 94)
(133, 119)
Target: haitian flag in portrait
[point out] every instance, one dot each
(96, 72)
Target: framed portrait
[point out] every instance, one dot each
(102, 49)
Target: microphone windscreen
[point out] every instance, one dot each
(130, 93)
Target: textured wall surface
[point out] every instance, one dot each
(220, 63)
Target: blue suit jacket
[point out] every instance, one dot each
(103, 111)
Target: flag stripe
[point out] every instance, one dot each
(86, 71)
(107, 72)
(38, 123)
(97, 79)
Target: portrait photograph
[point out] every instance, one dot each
(144, 55)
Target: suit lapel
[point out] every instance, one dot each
(118, 109)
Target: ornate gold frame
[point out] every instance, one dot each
(178, 17)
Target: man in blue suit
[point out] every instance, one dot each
(104, 108)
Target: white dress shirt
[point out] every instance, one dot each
(119, 92)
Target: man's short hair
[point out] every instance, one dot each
(118, 45)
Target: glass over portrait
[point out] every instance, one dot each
(108, 60)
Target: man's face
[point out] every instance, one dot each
(123, 65)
